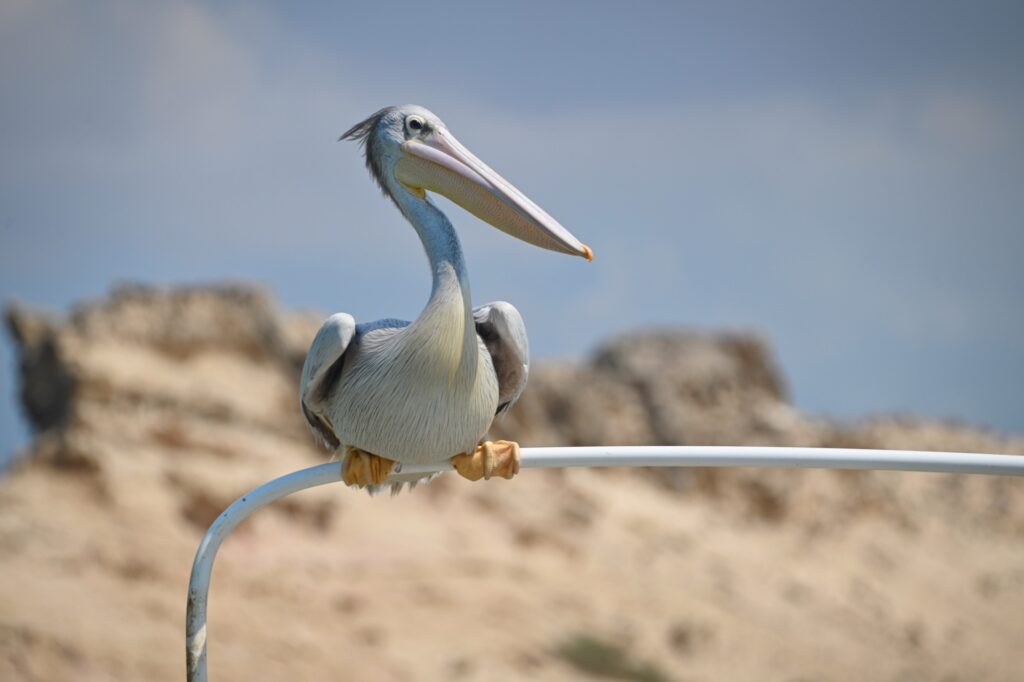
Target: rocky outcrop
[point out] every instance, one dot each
(154, 408)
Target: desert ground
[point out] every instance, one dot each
(154, 408)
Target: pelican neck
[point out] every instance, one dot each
(441, 243)
(449, 310)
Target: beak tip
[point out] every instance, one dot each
(588, 253)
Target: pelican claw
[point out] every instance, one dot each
(498, 458)
(362, 469)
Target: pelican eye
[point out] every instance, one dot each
(415, 123)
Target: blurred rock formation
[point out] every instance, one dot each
(154, 408)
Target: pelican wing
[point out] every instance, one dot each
(321, 370)
(501, 328)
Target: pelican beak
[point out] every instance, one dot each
(439, 163)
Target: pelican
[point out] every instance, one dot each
(392, 392)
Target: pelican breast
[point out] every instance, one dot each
(398, 396)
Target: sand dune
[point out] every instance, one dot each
(156, 408)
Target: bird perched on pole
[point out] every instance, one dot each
(392, 392)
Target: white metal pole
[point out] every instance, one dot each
(547, 458)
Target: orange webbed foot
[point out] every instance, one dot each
(498, 458)
(362, 469)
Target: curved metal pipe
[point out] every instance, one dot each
(547, 458)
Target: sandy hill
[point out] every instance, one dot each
(155, 408)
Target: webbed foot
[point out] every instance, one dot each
(497, 458)
(362, 469)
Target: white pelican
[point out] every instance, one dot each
(427, 391)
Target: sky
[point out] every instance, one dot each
(844, 179)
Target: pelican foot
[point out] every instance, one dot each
(498, 458)
(362, 469)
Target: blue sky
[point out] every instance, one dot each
(845, 179)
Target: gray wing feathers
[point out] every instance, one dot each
(501, 328)
(323, 365)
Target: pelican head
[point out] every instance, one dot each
(409, 151)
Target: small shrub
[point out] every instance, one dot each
(600, 658)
